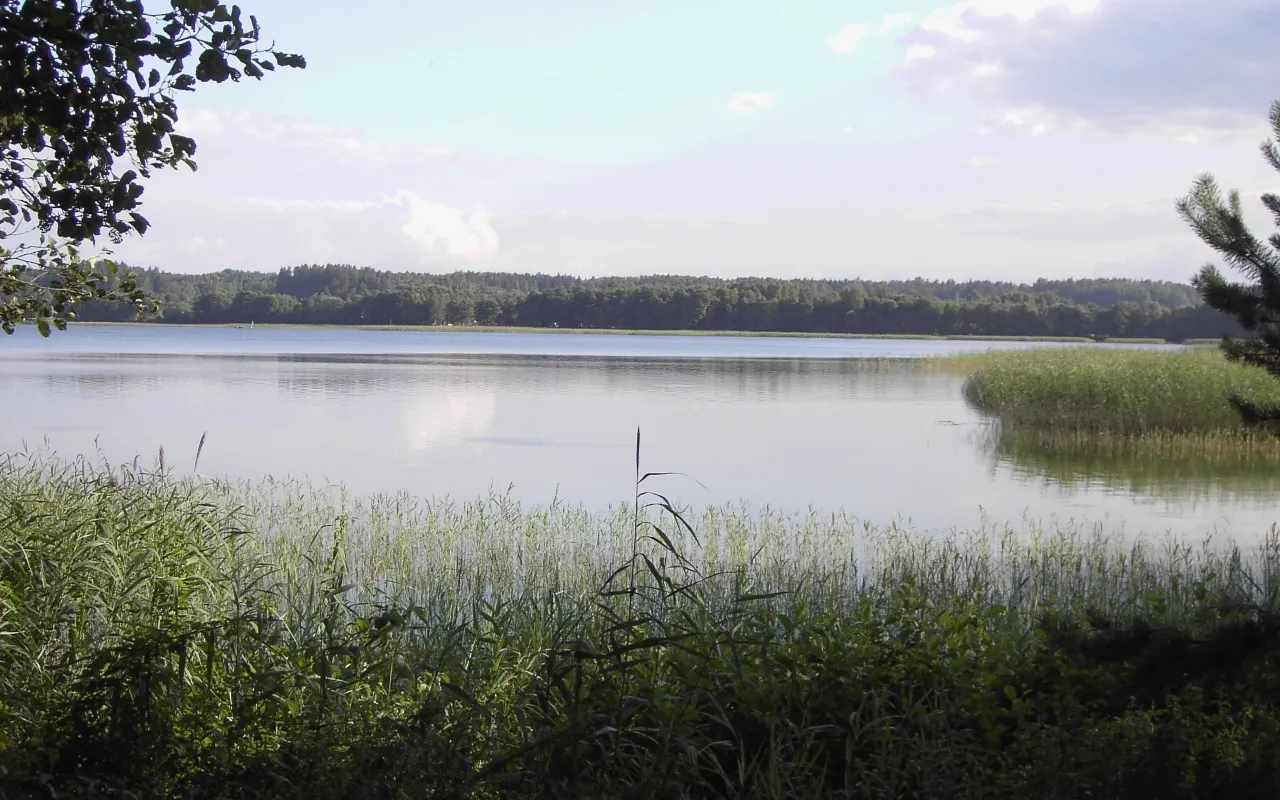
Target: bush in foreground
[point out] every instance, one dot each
(168, 638)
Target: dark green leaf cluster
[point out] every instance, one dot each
(87, 110)
(85, 84)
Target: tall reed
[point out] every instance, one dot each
(1122, 392)
(176, 637)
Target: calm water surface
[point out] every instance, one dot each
(790, 423)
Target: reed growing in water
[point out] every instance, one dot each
(185, 638)
(1127, 393)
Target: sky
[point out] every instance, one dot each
(994, 139)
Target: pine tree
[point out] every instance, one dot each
(1255, 303)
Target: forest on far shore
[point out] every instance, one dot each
(346, 295)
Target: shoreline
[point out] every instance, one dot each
(641, 332)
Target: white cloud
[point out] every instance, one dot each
(872, 241)
(341, 142)
(848, 38)
(197, 243)
(1153, 68)
(920, 52)
(991, 240)
(1028, 120)
(1189, 127)
(252, 154)
(744, 102)
(892, 22)
(400, 231)
(966, 21)
(1137, 220)
(745, 206)
(439, 228)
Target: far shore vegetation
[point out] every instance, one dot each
(450, 328)
(1082, 309)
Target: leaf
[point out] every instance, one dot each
(290, 60)
(665, 542)
(749, 598)
(212, 66)
(464, 695)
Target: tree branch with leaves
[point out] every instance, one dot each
(1255, 302)
(88, 110)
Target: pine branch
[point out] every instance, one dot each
(1220, 224)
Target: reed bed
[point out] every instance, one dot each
(171, 637)
(395, 546)
(1116, 392)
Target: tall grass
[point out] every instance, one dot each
(177, 638)
(1114, 392)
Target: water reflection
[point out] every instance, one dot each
(437, 420)
(338, 376)
(1196, 477)
(196, 340)
(876, 437)
(100, 384)
(723, 380)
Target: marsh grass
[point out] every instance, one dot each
(1151, 422)
(176, 637)
(1116, 392)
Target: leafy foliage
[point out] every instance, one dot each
(48, 283)
(1256, 304)
(87, 111)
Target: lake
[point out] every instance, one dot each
(790, 423)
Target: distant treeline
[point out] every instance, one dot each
(345, 295)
